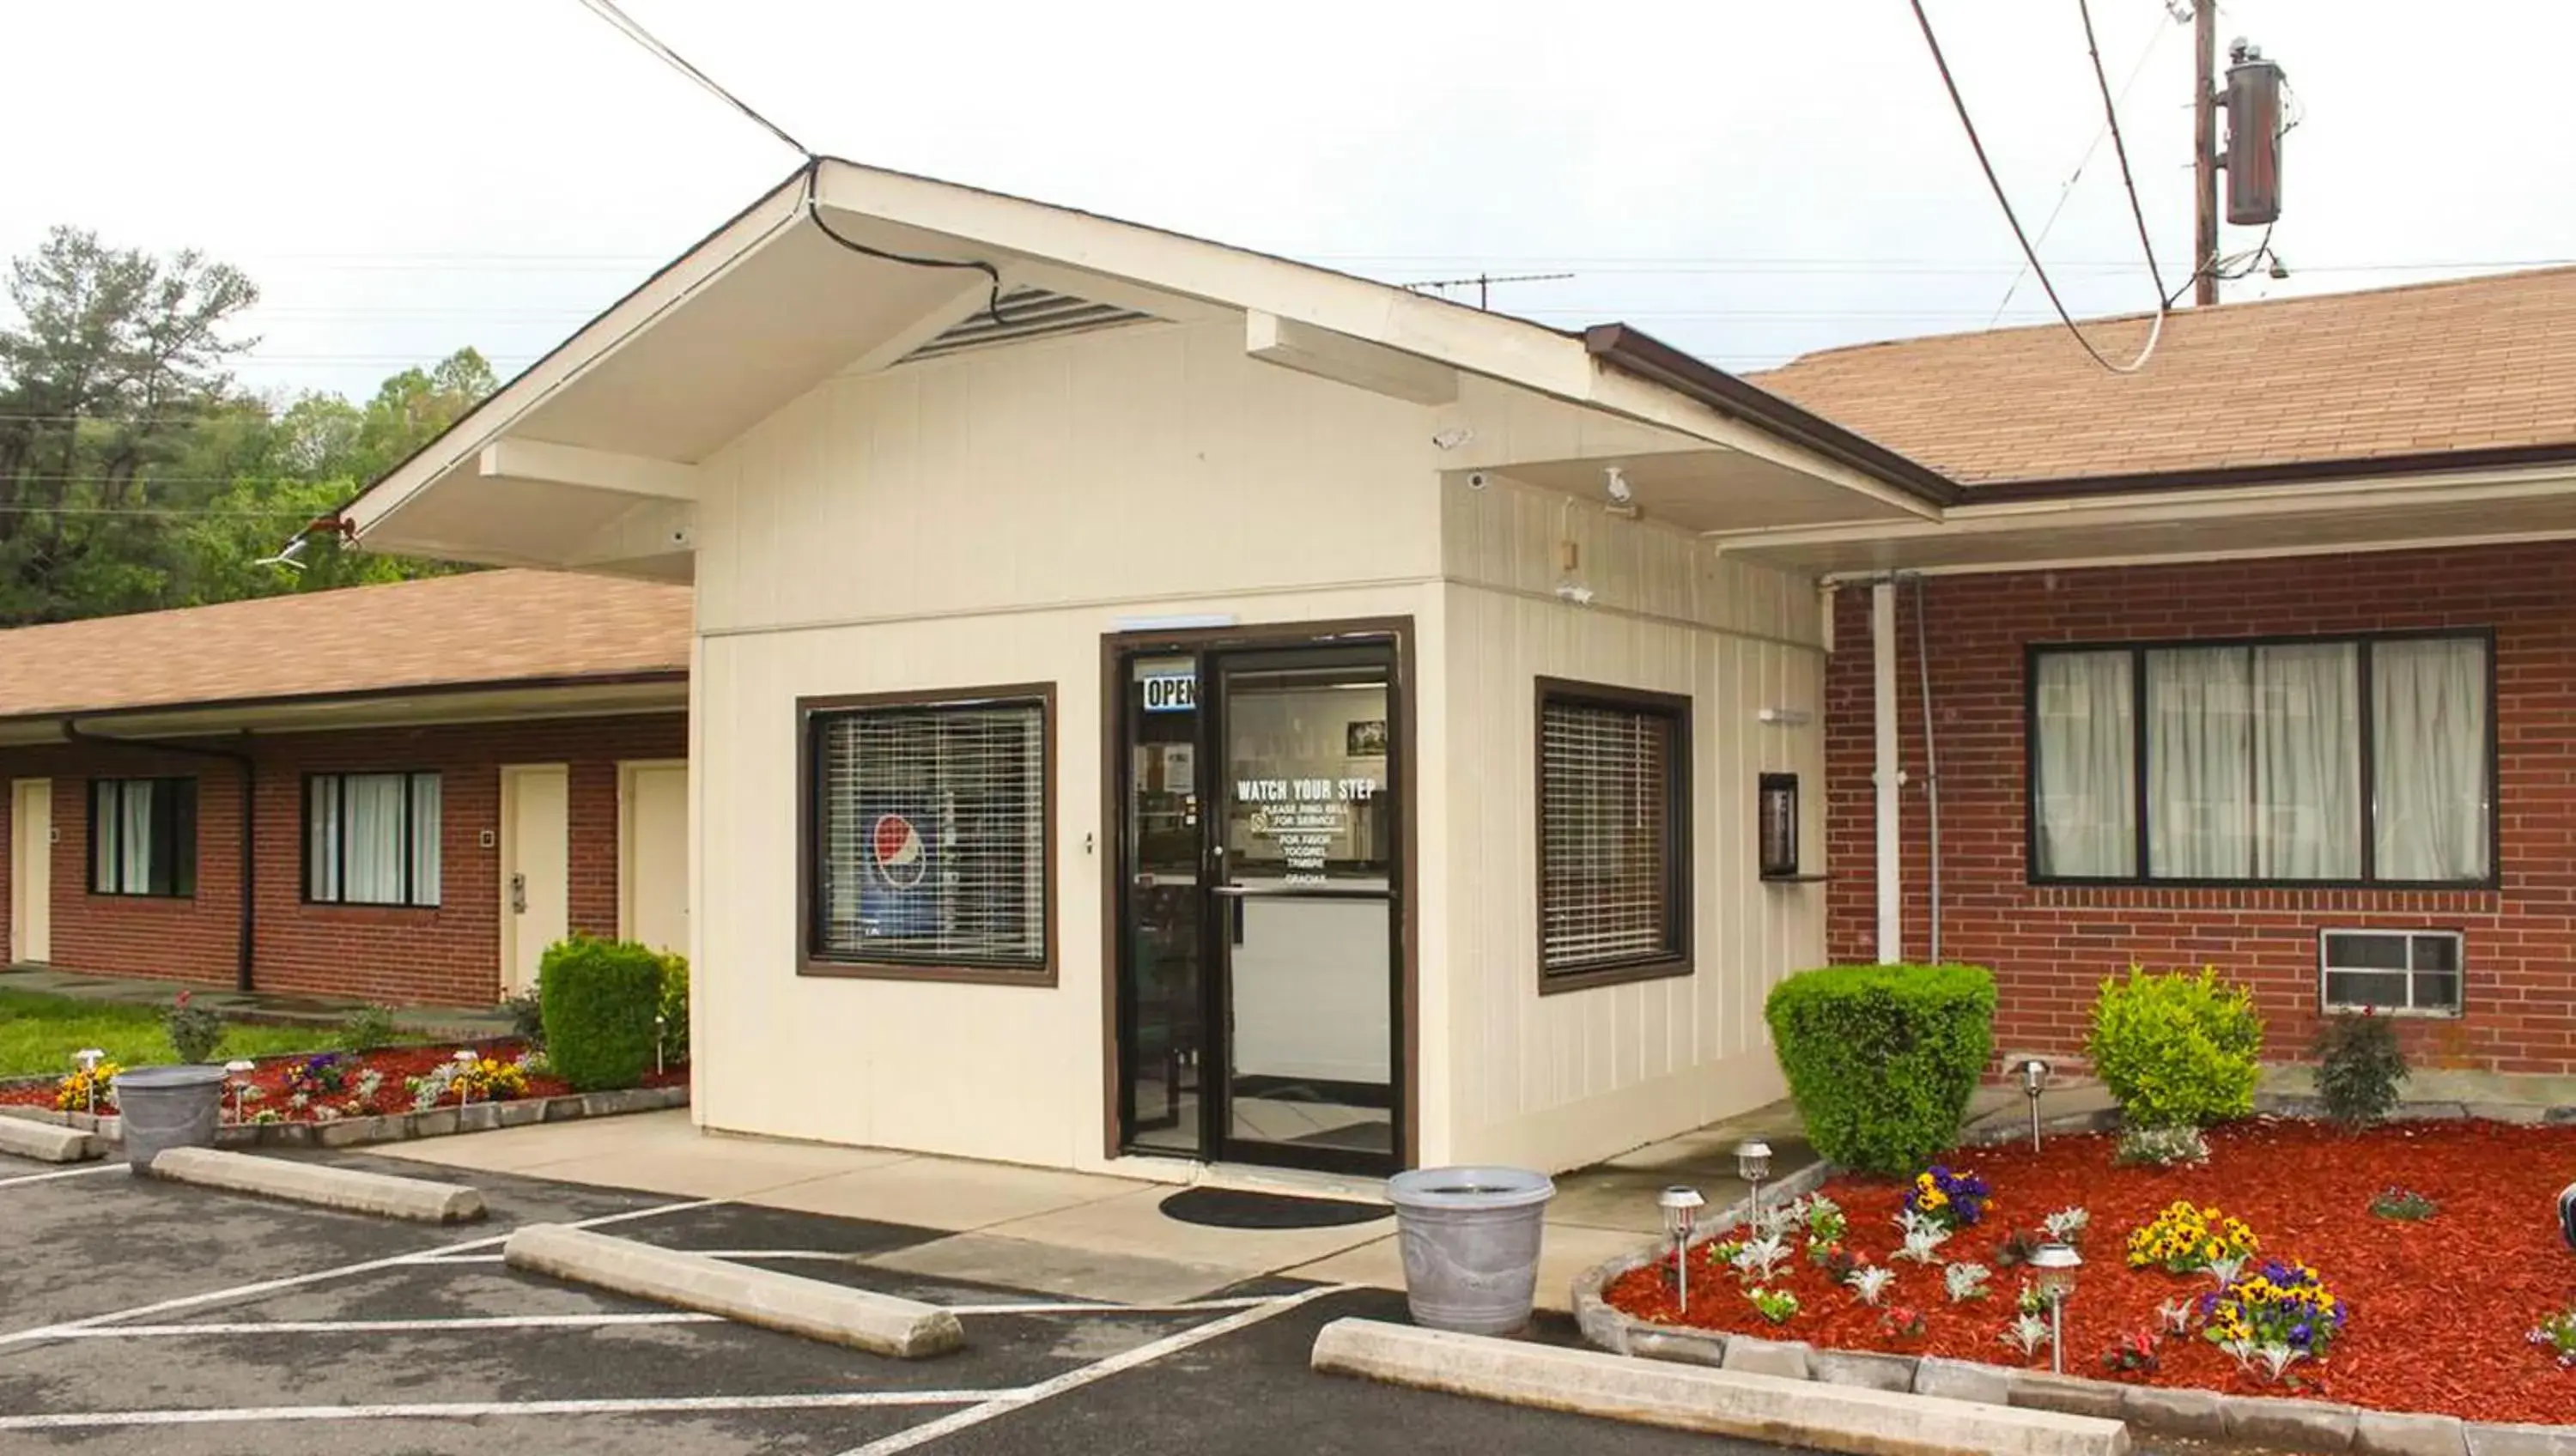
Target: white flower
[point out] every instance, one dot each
(2276, 1358)
(1762, 1257)
(2176, 1315)
(2026, 1333)
(1965, 1281)
(1922, 1244)
(2226, 1267)
(2066, 1225)
(1870, 1282)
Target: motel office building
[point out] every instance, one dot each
(1160, 705)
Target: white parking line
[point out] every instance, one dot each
(442, 1324)
(117, 1167)
(473, 1410)
(294, 1281)
(1005, 1402)
(826, 1255)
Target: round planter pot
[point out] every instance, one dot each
(168, 1107)
(1470, 1238)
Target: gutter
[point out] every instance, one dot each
(1650, 358)
(2285, 472)
(248, 930)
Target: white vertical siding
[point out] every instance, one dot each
(1552, 1081)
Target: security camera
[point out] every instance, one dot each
(1451, 439)
(1476, 480)
(1618, 484)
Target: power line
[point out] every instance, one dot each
(1977, 144)
(2066, 193)
(2128, 180)
(607, 10)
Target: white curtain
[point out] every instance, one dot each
(374, 810)
(322, 849)
(134, 841)
(2429, 720)
(2307, 762)
(2200, 761)
(424, 839)
(102, 852)
(2087, 765)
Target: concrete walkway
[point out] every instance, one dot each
(464, 1023)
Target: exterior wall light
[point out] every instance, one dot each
(1681, 1208)
(2034, 1080)
(1753, 1164)
(89, 1057)
(240, 1072)
(464, 1084)
(2056, 1265)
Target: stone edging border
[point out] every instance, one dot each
(351, 1132)
(2298, 1425)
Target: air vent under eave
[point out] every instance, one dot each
(1027, 313)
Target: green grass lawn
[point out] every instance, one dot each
(39, 1034)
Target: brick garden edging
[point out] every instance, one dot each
(351, 1132)
(2273, 1421)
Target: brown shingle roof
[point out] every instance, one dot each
(2470, 364)
(483, 627)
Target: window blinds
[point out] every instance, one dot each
(1606, 862)
(933, 845)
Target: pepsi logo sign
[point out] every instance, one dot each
(902, 855)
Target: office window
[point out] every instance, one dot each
(2417, 971)
(143, 837)
(2339, 761)
(929, 830)
(1613, 833)
(372, 839)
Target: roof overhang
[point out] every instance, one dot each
(2166, 519)
(583, 697)
(586, 460)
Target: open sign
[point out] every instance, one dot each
(1172, 692)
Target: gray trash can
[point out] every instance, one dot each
(168, 1107)
(1470, 1238)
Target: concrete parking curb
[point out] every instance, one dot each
(46, 1142)
(417, 1199)
(1720, 1402)
(861, 1319)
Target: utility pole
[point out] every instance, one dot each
(2204, 152)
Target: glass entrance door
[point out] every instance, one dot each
(1260, 914)
(1306, 907)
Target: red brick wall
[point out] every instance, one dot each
(2051, 946)
(448, 955)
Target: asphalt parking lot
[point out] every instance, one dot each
(152, 1317)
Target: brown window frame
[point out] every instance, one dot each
(1674, 957)
(812, 959)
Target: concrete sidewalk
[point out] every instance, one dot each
(461, 1023)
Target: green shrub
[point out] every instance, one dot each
(600, 997)
(368, 1028)
(194, 1030)
(675, 1007)
(2176, 1049)
(2359, 1068)
(1882, 1059)
(528, 1017)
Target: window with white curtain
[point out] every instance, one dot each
(372, 839)
(143, 837)
(2344, 760)
(1613, 831)
(929, 836)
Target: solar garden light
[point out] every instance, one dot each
(658, 1024)
(2567, 1214)
(1753, 1164)
(464, 1064)
(2034, 1079)
(239, 1071)
(88, 1057)
(2056, 1264)
(1681, 1208)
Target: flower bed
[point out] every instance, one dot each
(2426, 1314)
(329, 1086)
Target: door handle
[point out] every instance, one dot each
(519, 894)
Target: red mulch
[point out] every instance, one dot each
(2439, 1309)
(396, 1063)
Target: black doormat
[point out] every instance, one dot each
(1234, 1208)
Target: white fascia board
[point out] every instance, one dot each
(549, 463)
(710, 260)
(1474, 341)
(2182, 507)
(652, 528)
(1345, 360)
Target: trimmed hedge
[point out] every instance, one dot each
(2176, 1049)
(599, 999)
(1882, 1059)
(675, 1007)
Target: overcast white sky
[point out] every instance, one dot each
(1745, 180)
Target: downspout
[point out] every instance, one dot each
(248, 932)
(1931, 761)
(1882, 662)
